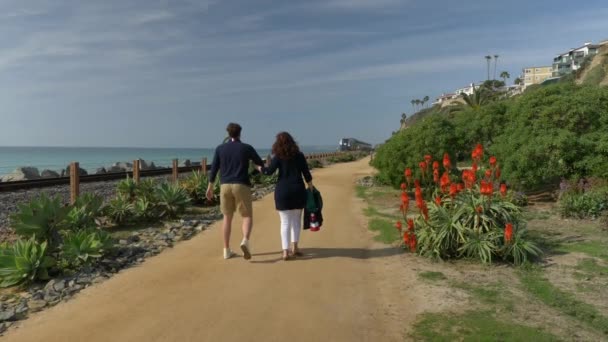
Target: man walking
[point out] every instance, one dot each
(231, 159)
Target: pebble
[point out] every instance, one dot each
(36, 305)
(8, 315)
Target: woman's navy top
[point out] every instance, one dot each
(290, 192)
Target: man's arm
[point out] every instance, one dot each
(255, 157)
(215, 167)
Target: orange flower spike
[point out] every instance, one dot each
(408, 173)
(438, 200)
(410, 225)
(422, 166)
(503, 189)
(460, 187)
(497, 173)
(492, 161)
(436, 175)
(406, 238)
(413, 243)
(474, 167)
(508, 232)
(403, 186)
(435, 165)
(453, 190)
(447, 164)
(445, 181)
(488, 173)
(398, 225)
(428, 158)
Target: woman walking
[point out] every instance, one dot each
(290, 192)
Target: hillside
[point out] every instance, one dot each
(596, 73)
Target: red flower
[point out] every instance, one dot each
(403, 186)
(497, 173)
(406, 238)
(477, 153)
(435, 165)
(438, 200)
(503, 189)
(509, 232)
(412, 243)
(436, 175)
(492, 161)
(425, 210)
(487, 188)
(428, 158)
(468, 177)
(474, 167)
(410, 225)
(488, 173)
(453, 190)
(445, 182)
(460, 187)
(479, 209)
(398, 225)
(447, 164)
(422, 166)
(417, 183)
(408, 175)
(405, 202)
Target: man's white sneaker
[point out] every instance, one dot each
(246, 249)
(228, 253)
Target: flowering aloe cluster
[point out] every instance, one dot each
(467, 213)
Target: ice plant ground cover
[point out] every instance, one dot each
(467, 213)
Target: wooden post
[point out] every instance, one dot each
(175, 171)
(136, 169)
(204, 166)
(74, 181)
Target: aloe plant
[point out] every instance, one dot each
(196, 186)
(120, 210)
(43, 218)
(24, 262)
(172, 200)
(144, 209)
(146, 189)
(84, 246)
(127, 188)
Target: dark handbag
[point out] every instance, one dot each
(313, 217)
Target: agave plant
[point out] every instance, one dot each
(127, 188)
(84, 246)
(120, 210)
(520, 248)
(196, 185)
(23, 262)
(79, 219)
(93, 204)
(146, 189)
(172, 200)
(43, 218)
(144, 209)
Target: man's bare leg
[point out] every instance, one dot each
(247, 226)
(227, 229)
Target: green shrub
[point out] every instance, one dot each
(127, 188)
(172, 200)
(315, 164)
(81, 247)
(196, 186)
(144, 210)
(42, 218)
(584, 205)
(595, 75)
(120, 210)
(84, 212)
(24, 262)
(146, 189)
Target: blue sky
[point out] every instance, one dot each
(173, 73)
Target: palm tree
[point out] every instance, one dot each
(413, 102)
(504, 75)
(426, 99)
(488, 59)
(495, 62)
(517, 81)
(474, 101)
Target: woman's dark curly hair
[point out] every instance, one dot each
(285, 147)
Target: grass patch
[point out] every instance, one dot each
(387, 233)
(565, 302)
(537, 215)
(432, 276)
(592, 248)
(488, 293)
(591, 269)
(474, 326)
(360, 191)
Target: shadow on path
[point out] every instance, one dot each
(324, 253)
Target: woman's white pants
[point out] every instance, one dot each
(291, 223)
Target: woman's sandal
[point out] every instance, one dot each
(298, 253)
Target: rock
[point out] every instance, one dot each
(66, 172)
(187, 163)
(84, 279)
(21, 311)
(123, 242)
(101, 171)
(4, 326)
(49, 174)
(36, 305)
(8, 315)
(22, 173)
(121, 167)
(133, 238)
(59, 285)
(99, 279)
(199, 228)
(49, 285)
(144, 165)
(51, 297)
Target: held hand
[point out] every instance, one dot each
(210, 193)
(259, 168)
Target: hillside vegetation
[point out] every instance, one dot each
(596, 72)
(548, 133)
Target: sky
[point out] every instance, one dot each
(173, 73)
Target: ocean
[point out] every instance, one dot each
(91, 158)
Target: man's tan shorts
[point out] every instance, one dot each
(236, 196)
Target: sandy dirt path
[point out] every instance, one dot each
(339, 291)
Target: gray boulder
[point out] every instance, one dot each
(49, 174)
(121, 167)
(22, 173)
(66, 172)
(187, 163)
(101, 171)
(144, 165)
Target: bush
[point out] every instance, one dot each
(120, 210)
(172, 200)
(80, 248)
(584, 205)
(315, 164)
(84, 212)
(42, 218)
(467, 219)
(127, 188)
(24, 262)
(144, 210)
